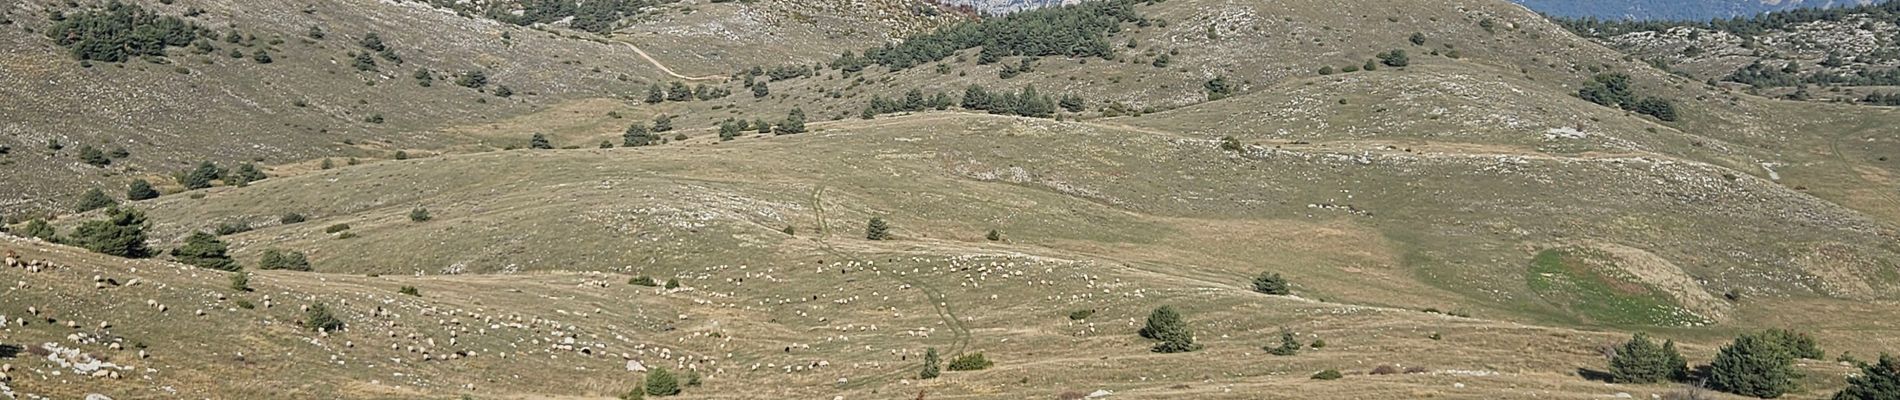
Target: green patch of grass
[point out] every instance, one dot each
(1568, 280)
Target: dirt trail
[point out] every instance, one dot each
(669, 71)
(939, 304)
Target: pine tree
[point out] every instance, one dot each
(204, 250)
(1642, 361)
(39, 229)
(241, 281)
(976, 98)
(140, 190)
(679, 92)
(662, 123)
(373, 42)
(661, 382)
(994, 235)
(539, 142)
(794, 122)
(1289, 345)
(1165, 325)
(728, 130)
(92, 155)
(284, 260)
(655, 95)
(318, 318)
(636, 135)
(475, 79)
(93, 199)
(931, 364)
(877, 230)
(1878, 381)
(244, 175)
(760, 90)
(201, 177)
(420, 214)
(121, 234)
(1753, 365)
(363, 62)
(1271, 283)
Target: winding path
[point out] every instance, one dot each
(669, 71)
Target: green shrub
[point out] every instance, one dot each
(93, 199)
(1271, 283)
(1083, 314)
(205, 251)
(409, 290)
(292, 218)
(661, 382)
(672, 283)
(140, 190)
(420, 214)
(285, 260)
(318, 318)
(1289, 345)
(39, 229)
(232, 228)
(1328, 375)
(643, 281)
(336, 228)
(93, 156)
(994, 236)
(241, 281)
(970, 362)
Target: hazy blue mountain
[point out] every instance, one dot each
(1676, 9)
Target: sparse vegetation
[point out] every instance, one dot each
(1289, 345)
(970, 362)
(1271, 283)
(204, 250)
(274, 259)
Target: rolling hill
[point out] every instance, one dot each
(1464, 199)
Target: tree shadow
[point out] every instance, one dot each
(1595, 375)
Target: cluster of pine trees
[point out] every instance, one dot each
(1075, 31)
(1615, 90)
(679, 92)
(121, 31)
(598, 16)
(1760, 74)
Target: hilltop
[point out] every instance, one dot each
(1693, 10)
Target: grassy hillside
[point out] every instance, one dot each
(171, 111)
(1464, 220)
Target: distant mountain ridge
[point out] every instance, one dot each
(1698, 10)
